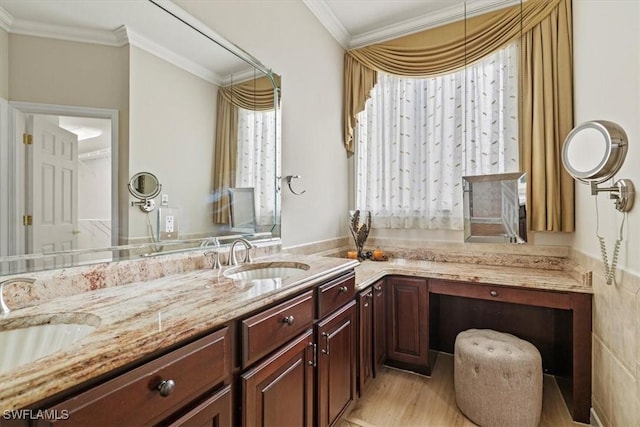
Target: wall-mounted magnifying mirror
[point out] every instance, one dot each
(495, 208)
(242, 210)
(594, 152)
(144, 186)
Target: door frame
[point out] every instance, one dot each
(77, 111)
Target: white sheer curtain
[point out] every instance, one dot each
(412, 151)
(258, 132)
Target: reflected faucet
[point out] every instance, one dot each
(247, 254)
(209, 241)
(214, 255)
(4, 309)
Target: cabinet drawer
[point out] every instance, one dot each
(335, 294)
(134, 398)
(501, 293)
(271, 328)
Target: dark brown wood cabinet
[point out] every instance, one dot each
(279, 391)
(215, 411)
(365, 339)
(336, 335)
(379, 326)
(177, 386)
(408, 324)
(301, 380)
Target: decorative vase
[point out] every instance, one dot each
(359, 231)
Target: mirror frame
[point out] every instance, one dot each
(616, 145)
(235, 194)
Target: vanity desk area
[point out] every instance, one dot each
(547, 302)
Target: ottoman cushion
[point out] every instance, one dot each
(497, 378)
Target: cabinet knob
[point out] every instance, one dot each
(377, 288)
(343, 289)
(166, 387)
(288, 320)
(493, 293)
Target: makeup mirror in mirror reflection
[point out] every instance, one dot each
(495, 208)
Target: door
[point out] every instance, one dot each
(336, 336)
(52, 187)
(279, 391)
(215, 411)
(408, 324)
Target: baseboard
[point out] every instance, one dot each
(595, 420)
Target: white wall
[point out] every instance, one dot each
(288, 38)
(172, 133)
(607, 86)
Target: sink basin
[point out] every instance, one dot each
(266, 270)
(25, 339)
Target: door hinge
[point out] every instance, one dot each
(27, 220)
(27, 139)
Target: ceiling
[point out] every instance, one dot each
(357, 23)
(117, 23)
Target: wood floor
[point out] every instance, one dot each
(405, 399)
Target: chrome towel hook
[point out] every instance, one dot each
(289, 178)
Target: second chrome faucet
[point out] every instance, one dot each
(216, 262)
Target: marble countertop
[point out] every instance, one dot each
(536, 278)
(144, 317)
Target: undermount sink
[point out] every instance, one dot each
(266, 270)
(25, 339)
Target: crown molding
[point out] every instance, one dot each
(325, 15)
(170, 56)
(330, 21)
(82, 35)
(119, 37)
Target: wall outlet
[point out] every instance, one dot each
(168, 223)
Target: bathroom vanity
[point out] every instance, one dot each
(198, 348)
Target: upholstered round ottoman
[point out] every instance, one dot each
(497, 378)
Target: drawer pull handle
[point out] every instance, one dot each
(288, 320)
(343, 289)
(493, 293)
(377, 288)
(326, 343)
(166, 387)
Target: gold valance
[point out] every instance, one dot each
(257, 95)
(545, 28)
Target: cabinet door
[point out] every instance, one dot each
(279, 391)
(336, 364)
(365, 338)
(408, 324)
(213, 412)
(379, 331)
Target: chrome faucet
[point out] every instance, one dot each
(247, 254)
(3, 306)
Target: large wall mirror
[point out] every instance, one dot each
(111, 89)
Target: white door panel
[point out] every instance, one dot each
(52, 187)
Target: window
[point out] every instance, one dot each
(416, 138)
(258, 133)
